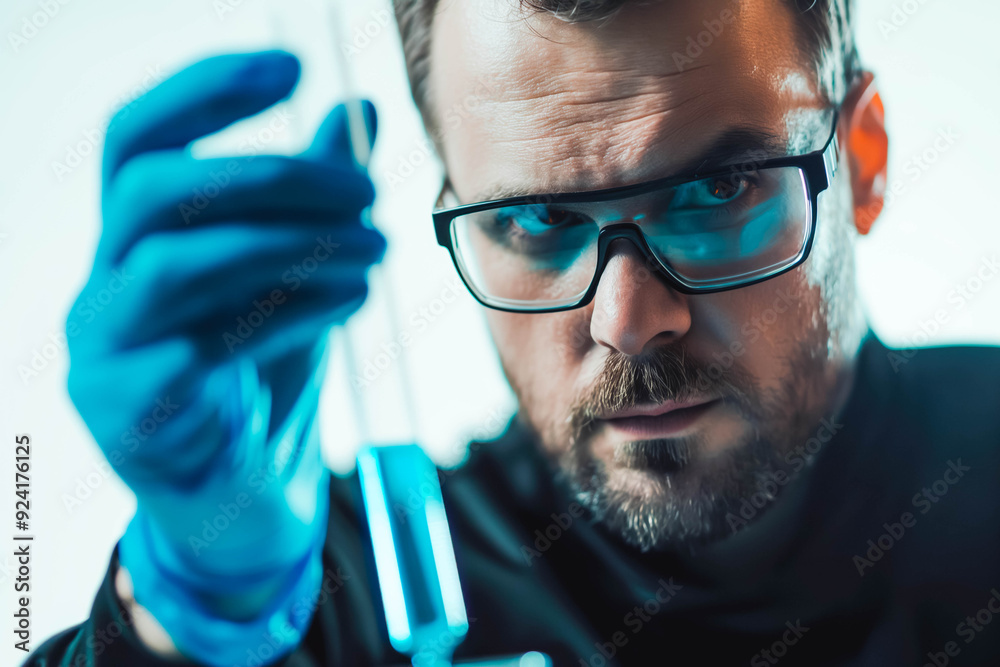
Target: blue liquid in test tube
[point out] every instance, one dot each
(414, 556)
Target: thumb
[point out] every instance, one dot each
(333, 138)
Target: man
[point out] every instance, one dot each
(715, 461)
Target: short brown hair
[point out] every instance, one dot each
(826, 33)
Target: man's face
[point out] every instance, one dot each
(663, 410)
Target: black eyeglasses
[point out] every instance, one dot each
(701, 233)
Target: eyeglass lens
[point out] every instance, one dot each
(708, 233)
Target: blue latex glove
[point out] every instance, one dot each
(200, 347)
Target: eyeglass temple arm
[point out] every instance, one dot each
(831, 158)
(831, 153)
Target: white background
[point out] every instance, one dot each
(936, 63)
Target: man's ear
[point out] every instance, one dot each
(867, 150)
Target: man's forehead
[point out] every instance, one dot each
(538, 104)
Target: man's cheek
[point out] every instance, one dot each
(518, 342)
(570, 333)
(542, 355)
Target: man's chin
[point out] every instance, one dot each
(655, 508)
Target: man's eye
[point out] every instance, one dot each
(723, 190)
(559, 216)
(538, 219)
(711, 192)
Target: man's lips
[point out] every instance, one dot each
(656, 410)
(658, 421)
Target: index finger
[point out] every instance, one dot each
(199, 100)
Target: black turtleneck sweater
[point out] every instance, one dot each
(886, 551)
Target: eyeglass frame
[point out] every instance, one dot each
(819, 168)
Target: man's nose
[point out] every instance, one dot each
(634, 309)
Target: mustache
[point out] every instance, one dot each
(663, 374)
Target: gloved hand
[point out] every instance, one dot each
(200, 348)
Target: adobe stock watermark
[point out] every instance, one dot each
(224, 7)
(462, 110)
(363, 35)
(203, 196)
(230, 510)
(914, 168)
(88, 311)
(34, 23)
(426, 487)
(410, 163)
(924, 500)
(139, 433)
(545, 537)
(960, 296)
(920, 163)
(968, 630)
(798, 458)
(87, 485)
(633, 621)
(275, 639)
(697, 44)
(779, 649)
(419, 321)
(423, 152)
(101, 639)
(262, 309)
(76, 153)
(900, 15)
(42, 356)
(488, 429)
(131, 439)
(254, 143)
(250, 146)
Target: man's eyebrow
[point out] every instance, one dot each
(744, 147)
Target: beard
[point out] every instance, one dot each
(668, 493)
